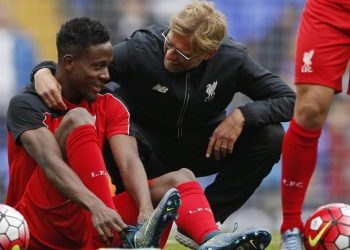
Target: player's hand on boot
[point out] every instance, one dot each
(106, 221)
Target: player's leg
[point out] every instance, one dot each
(255, 152)
(196, 223)
(299, 157)
(158, 187)
(155, 230)
(78, 140)
(195, 216)
(77, 135)
(300, 149)
(322, 54)
(323, 50)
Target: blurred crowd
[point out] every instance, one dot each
(267, 27)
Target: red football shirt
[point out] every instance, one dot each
(323, 50)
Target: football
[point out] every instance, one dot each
(328, 228)
(14, 233)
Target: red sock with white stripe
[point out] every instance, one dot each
(196, 218)
(299, 156)
(84, 156)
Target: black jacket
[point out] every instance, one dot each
(179, 103)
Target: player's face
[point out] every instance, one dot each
(90, 71)
(178, 53)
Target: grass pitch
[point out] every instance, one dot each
(173, 245)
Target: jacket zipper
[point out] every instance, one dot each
(184, 107)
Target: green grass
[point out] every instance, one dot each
(173, 245)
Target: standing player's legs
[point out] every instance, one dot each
(323, 51)
(300, 149)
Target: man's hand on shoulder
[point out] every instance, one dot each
(47, 87)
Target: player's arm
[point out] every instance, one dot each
(41, 144)
(125, 153)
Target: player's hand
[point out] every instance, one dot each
(225, 135)
(47, 87)
(106, 220)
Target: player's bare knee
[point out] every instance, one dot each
(183, 175)
(73, 119)
(187, 174)
(310, 115)
(78, 117)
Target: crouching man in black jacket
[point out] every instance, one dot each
(177, 82)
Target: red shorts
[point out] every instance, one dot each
(323, 45)
(57, 223)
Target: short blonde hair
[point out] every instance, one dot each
(203, 22)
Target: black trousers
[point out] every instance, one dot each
(238, 175)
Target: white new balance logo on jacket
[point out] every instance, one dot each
(160, 88)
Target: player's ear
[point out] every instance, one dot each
(210, 54)
(68, 61)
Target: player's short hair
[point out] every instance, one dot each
(203, 22)
(78, 34)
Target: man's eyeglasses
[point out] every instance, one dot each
(169, 45)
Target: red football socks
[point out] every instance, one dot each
(84, 156)
(299, 156)
(196, 219)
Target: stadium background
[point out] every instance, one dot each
(266, 27)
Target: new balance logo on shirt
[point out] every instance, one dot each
(160, 88)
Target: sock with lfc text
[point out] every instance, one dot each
(299, 156)
(196, 218)
(84, 156)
